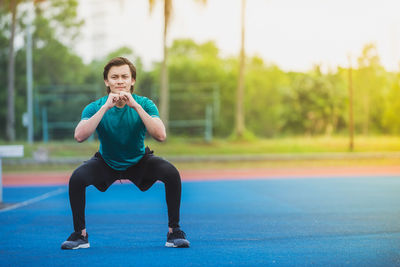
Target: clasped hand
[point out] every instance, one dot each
(120, 99)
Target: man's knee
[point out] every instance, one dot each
(171, 173)
(77, 178)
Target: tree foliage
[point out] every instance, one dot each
(54, 63)
(276, 102)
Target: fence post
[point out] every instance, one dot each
(208, 135)
(45, 127)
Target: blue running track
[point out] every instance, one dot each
(282, 222)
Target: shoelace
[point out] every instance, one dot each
(178, 234)
(75, 236)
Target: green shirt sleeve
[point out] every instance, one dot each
(89, 111)
(150, 108)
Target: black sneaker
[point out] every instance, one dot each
(177, 239)
(76, 240)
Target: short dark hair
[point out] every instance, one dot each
(119, 61)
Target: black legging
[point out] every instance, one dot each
(144, 174)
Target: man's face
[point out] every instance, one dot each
(119, 79)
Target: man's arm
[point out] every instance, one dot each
(86, 128)
(155, 127)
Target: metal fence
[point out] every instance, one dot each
(194, 109)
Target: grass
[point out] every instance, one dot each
(180, 146)
(193, 147)
(228, 165)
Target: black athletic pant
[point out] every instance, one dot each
(144, 174)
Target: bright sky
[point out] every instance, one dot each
(293, 34)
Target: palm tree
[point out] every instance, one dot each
(164, 90)
(240, 124)
(351, 119)
(10, 128)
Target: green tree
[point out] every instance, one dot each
(265, 87)
(370, 86)
(56, 28)
(164, 91)
(10, 129)
(54, 63)
(195, 71)
(314, 104)
(4, 59)
(390, 116)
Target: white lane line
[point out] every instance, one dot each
(35, 199)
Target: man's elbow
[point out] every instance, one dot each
(161, 137)
(79, 138)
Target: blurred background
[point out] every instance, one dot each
(230, 77)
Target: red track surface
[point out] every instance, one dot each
(57, 178)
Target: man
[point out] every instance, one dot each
(121, 120)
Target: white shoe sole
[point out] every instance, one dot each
(172, 245)
(82, 246)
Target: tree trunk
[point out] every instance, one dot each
(11, 77)
(164, 92)
(366, 114)
(351, 115)
(240, 124)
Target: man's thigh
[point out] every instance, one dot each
(96, 172)
(147, 171)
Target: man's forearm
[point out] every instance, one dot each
(86, 128)
(154, 126)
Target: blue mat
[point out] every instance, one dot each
(285, 222)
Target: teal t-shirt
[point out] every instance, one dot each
(121, 131)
